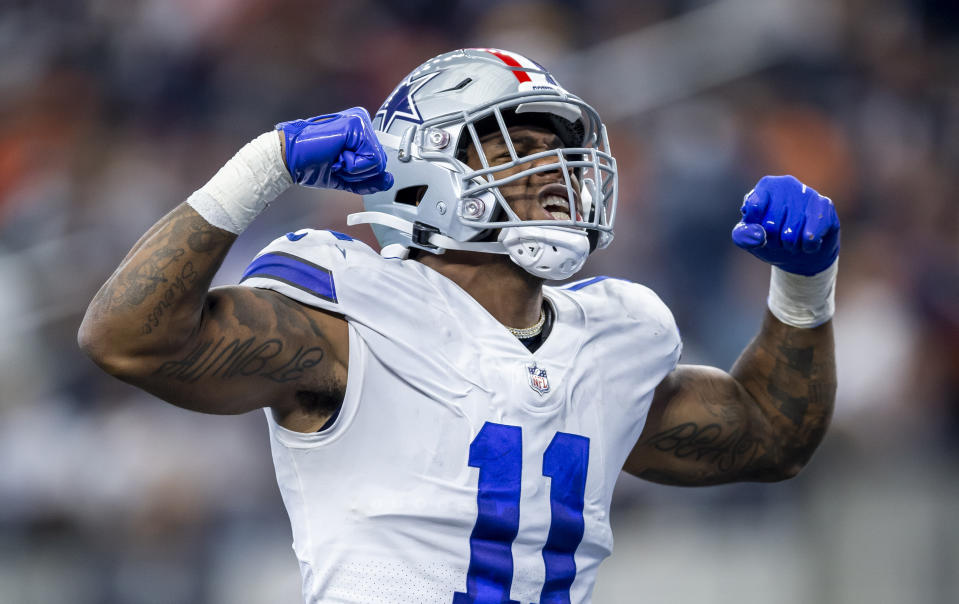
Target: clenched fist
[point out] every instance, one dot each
(336, 151)
(789, 225)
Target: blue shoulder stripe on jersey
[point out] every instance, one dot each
(341, 236)
(587, 282)
(295, 271)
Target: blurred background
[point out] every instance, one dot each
(114, 111)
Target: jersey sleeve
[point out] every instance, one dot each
(333, 272)
(311, 267)
(632, 317)
(640, 303)
(633, 345)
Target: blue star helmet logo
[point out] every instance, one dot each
(401, 105)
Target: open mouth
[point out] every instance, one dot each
(555, 200)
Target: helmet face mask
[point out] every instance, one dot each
(448, 105)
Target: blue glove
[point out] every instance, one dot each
(789, 225)
(336, 151)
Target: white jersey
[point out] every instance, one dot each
(461, 467)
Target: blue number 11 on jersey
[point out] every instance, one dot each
(497, 451)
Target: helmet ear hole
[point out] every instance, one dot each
(411, 195)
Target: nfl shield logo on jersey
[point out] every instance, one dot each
(538, 380)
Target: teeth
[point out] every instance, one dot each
(556, 201)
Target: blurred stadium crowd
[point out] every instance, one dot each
(113, 111)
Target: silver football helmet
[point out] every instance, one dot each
(439, 202)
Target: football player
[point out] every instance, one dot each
(445, 427)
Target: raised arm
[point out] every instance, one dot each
(156, 324)
(762, 420)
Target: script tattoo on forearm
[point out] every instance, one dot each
(180, 285)
(154, 263)
(241, 358)
(135, 286)
(170, 268)
(726, 451)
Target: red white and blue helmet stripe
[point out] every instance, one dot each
(527, 70)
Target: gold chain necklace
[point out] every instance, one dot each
(533, 330)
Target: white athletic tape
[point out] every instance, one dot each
(244, 186)
(803, 301)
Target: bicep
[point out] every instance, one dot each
(251, 348)
(704, 428)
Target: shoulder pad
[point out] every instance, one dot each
(304, 265)
(613, 299)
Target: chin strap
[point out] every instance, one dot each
(548, 253)
(440, 241)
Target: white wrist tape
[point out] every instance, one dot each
(244, 186)
(803, 301)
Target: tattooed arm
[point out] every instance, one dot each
(155, 325)
(229, 350)
(761, 422)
